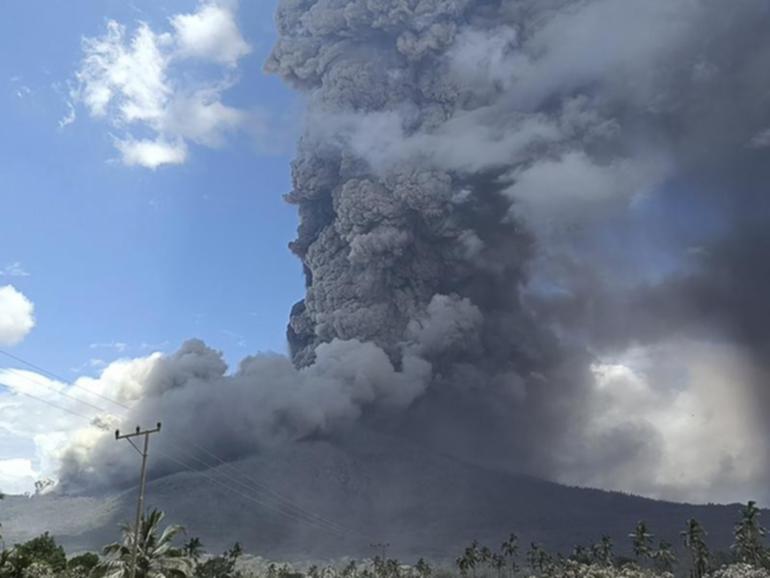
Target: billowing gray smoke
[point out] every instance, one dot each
(407, 233)
(494, 153)
(497, 195)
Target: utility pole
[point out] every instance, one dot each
(140, 504)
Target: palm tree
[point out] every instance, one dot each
(537, 558)
(510, 549)
(642, 541)
(748, 536)
(498, 563)
(485, 556)
(581, 554)
(601, 552)
(156, 555)
(193, 548)
(472, 557)
(423, 568)
(392, 568)
(695, 540)
(235, 552)
(462, 565)
(664, 557)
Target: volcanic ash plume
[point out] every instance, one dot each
(406, 183)
(465, 165)
(513, 216)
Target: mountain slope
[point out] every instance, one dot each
(421, 503)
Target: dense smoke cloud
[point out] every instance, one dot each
(266, 401)
(511, 143)
(518, 219)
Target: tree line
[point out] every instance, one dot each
(162, 553)
(747, 553)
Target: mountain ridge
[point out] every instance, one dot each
(420, 503)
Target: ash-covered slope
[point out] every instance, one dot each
(380, 490)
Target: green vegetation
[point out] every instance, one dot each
(750, 558)
(642, 542)
(220, 566)
(82, 564)
(162, 554)
(748, 537)
(156, 555)
(695, 542)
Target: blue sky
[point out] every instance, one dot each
(122, 259)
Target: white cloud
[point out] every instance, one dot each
(116, 345)
(210, 34)
(148, 81)
(692, 401)
(14, 269)
(70, 117)
(151, 153)
(17, 476)
(32, 426)
(203, 119)
(40, 417)
(17, 315)
(121, 380)
(129, 75)
(92, 364)
(20, 90)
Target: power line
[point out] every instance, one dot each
(297, 509)
(278, 497)
(283, 503)
(47, 386)
(62, 379)
(292, 509)
(89, 419)
(45, 401)
(284, 506)
(251, 498)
